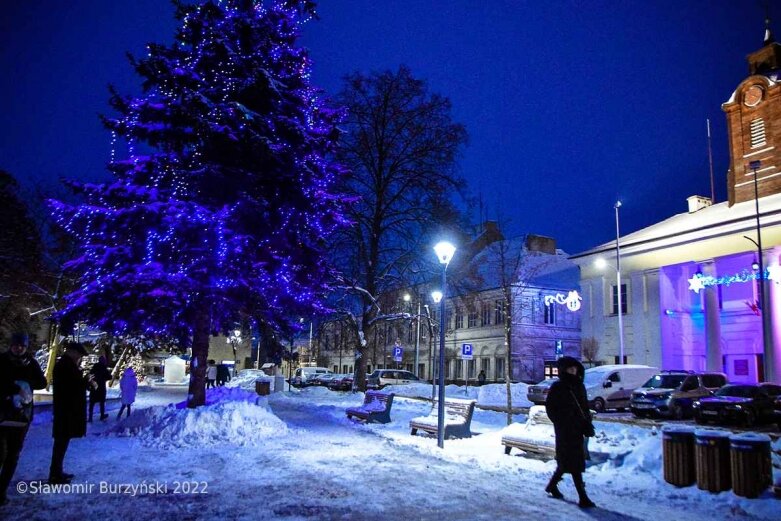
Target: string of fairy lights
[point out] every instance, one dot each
(178, 211)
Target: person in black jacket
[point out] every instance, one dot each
(98, 376)
(70, 408)
(19, 375)
(567, 408)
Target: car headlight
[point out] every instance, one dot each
(696, 405)
(735, 407)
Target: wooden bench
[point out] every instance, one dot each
(458, 418)
(536, 436)
(376, 407)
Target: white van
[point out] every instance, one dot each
(611, 386)
(304, 374)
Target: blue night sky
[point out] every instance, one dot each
(569, 104)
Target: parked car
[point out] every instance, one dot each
(538, 393)
(383, 377)
(341, 382)
(303, 375)
(322, 379)
(611, 386)
(743, 403)
(672, 393)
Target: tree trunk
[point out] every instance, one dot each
(196, 395)
(508, 330)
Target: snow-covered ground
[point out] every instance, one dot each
(295, 455)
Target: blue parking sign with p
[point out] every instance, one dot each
(466, 351)
(397, 353)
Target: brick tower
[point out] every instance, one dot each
(754, 125)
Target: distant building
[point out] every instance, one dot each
(690, 295)
(476, 312)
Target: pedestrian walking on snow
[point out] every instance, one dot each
(20, 374)
(98, 375)
(211, 374)
(70, 408)
(128, 385)
(567, 408)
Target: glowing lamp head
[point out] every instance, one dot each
(755, 266)
(407, 297)
(436, 296)
(600, 263)
(617, 205)
(445, 252)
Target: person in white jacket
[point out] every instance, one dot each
(128, 385)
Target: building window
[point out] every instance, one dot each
(336, 368)
(447, 368)
(614, 293)
(499, 312)
(484, 363)
(549, 314)
(472, 318)
(757, 131)
(459, 318)
(485, 315)
(470, 369)
(459, 369)
(499, 367)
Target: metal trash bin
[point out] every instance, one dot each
(678, 450)
(751, 466)
(263, 387)
(712, 460)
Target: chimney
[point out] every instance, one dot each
(541, 244)
(698, 202)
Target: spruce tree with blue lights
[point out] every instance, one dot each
(220, 203)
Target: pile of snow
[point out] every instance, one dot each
(490, 395)
(495, 395)
(230, 416)
(246, 379)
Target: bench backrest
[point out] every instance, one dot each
(463, 408)
(376, 396)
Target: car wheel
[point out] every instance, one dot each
(676, 411)
(640, 414)
(750, 419)
(599, 405)
(700, 420)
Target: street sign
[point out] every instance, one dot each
(466, 351)
(398, 351)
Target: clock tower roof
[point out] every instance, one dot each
(766, 60)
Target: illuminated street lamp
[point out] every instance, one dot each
(765, 315)
(445, 252)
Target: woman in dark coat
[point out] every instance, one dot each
(70, 407)
(567, 408)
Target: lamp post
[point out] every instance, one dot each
(601, 263)
(445, 252)
(768, 353)
(618, 290)
(407, 298)
(234, 339)
(436, 296)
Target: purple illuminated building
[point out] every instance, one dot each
(691, 286)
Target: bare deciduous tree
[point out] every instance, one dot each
(589, 348)
(401, 146)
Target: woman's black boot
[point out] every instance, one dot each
(553, 486)
(584, 501)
